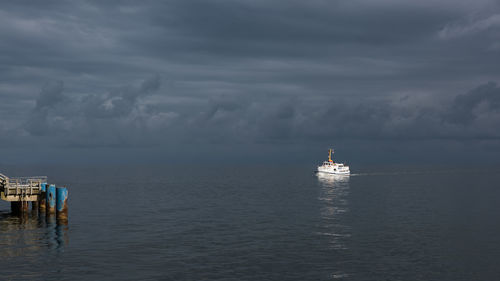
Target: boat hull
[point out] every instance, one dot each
(333, 172)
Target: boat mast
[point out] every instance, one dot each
(330, 155)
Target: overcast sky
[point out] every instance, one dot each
(259, 80)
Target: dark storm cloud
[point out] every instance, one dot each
(122, 111)
(60, 115)
(50, 95)
(482, 100)
(119, 102)
(223, 104)
(248, 71)
(295, 28)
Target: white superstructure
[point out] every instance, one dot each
(331, 167)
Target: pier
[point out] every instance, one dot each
(21, 191)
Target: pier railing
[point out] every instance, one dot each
(21, 188)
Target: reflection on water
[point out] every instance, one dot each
(31, 231)
(332, 180)
(334, 190)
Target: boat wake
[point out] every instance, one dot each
(395, 173)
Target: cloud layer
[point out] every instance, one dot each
(166, 74)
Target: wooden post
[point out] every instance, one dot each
(25, 206)
(51, 199)
(16, 207)
(62, 203)
(19, 207)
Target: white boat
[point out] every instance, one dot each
(331, 167)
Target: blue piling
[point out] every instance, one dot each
(62, 203)
(43, 197)
(51, 199)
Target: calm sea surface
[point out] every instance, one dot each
(259, 223)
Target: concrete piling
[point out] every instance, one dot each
(51, 199)
(62, 203)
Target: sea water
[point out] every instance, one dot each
(259, 223)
